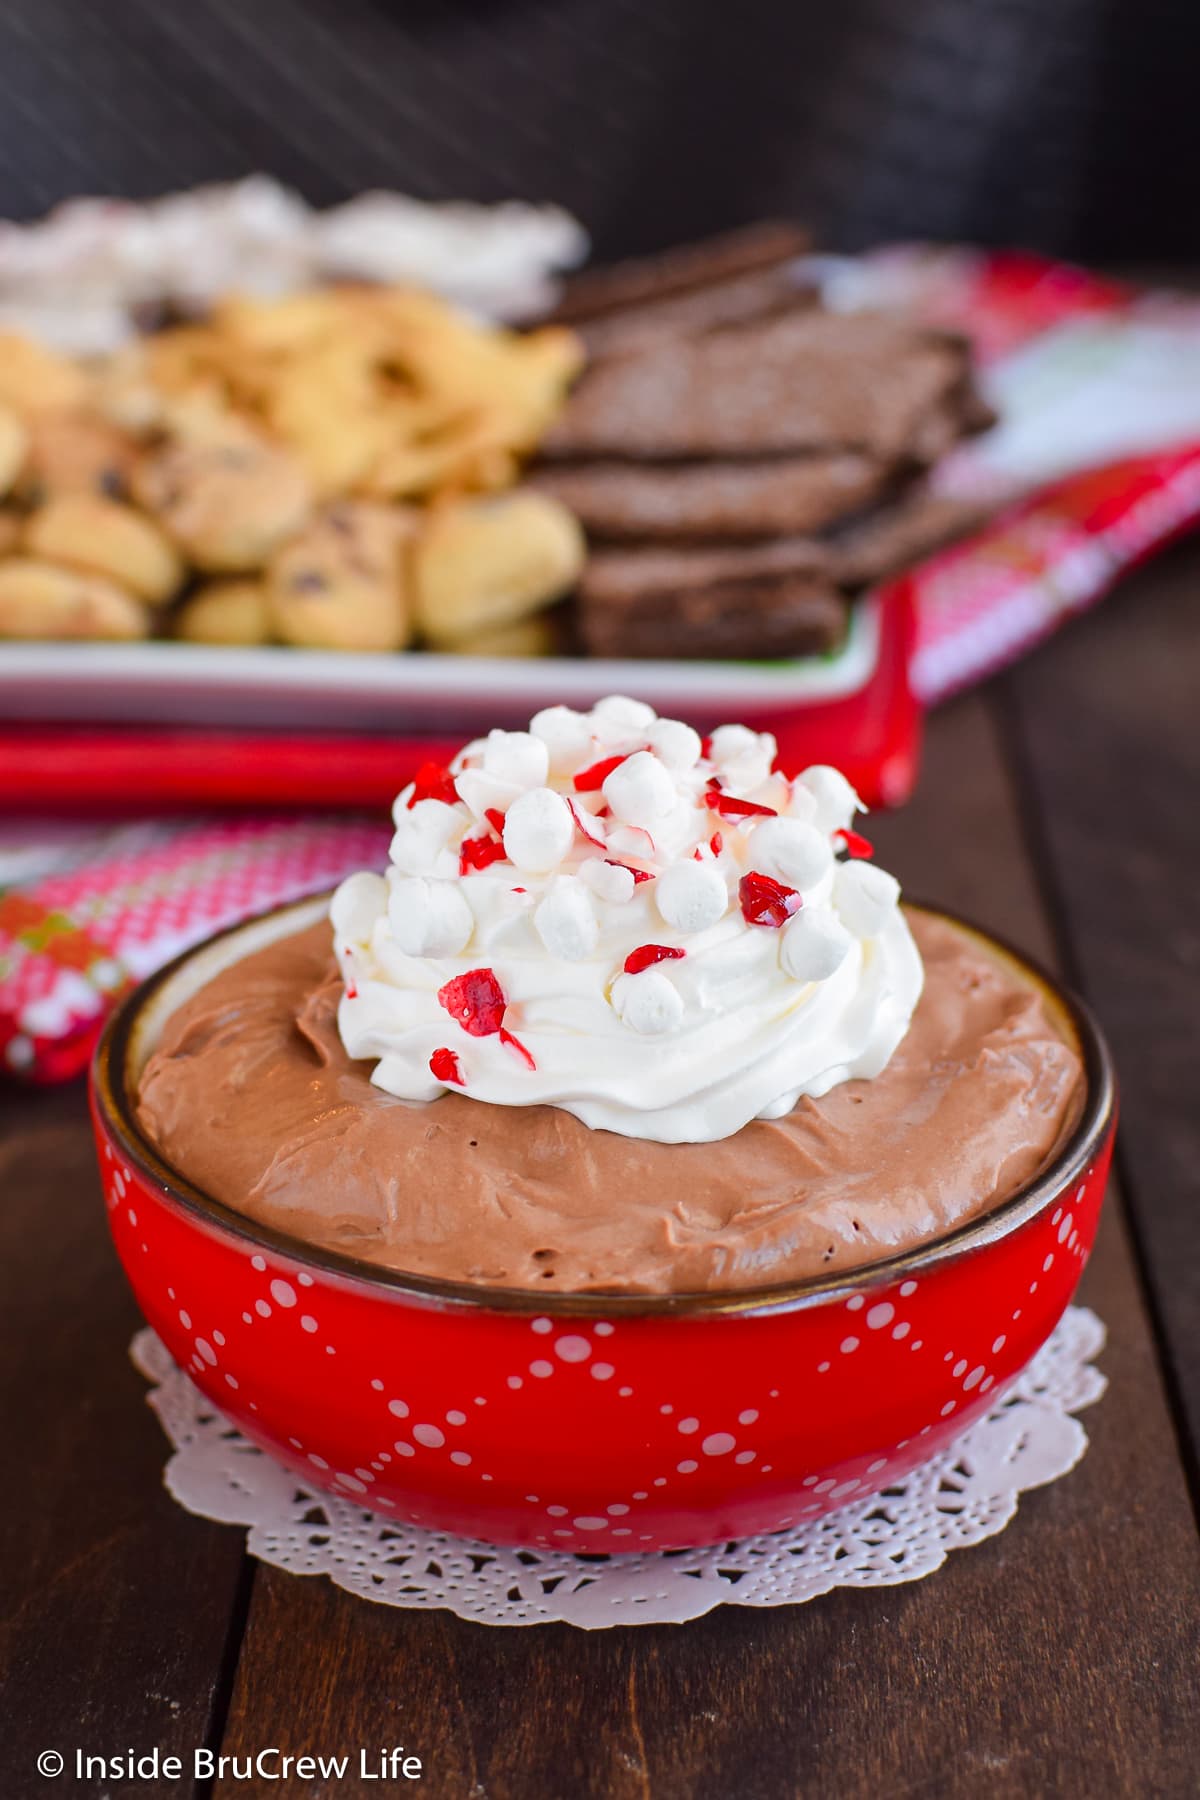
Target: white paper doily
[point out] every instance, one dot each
(965, 1494)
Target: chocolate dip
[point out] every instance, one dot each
(252, 1096)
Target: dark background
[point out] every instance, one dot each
(1066, 125)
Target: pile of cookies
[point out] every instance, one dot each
(339, 468)
(744, 460)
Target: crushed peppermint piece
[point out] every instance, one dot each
(476, 1000)
(514, 1043)
(633, 840)
(445, 1066)
(433, 782)
(765, 901)
(716, 843)
(495, 819)
(479, 853)
(646, 955)
(855, 844)
(348, 979)
(586, 823)
(730, 807)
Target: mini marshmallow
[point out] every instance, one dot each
(864, 897)
(483, 793)
(429, 918)
(356, 905)
(608, 881)
(418, 843)
(836, 801)
(470, 756)
(744, 757)
(797, 853)
(648, 1003)
(617, 720)
(538, 830)
(517, 757)
(813, 946)
(640, 790)
(435, 820)
(691, 896)
(800, 803)
(566, 921)
(567, 735)
(675, 833)
(675, 744)
(731, 742)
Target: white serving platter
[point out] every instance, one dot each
(285, 689)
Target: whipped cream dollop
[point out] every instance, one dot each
(606, 913)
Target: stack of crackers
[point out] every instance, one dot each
(745, 461)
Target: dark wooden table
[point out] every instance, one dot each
(1058, 805)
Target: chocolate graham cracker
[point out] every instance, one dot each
(810, 380)
(892, 538)
(737, 300)
(786, 615)
(774, 599)
(744, 461)
(679, 568)
(783, 597)
(680, 270)
(719, 498)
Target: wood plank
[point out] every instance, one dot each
(1105, 721)
(1056, 1659)
(116, 1603)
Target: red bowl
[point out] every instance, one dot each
(587, 1422)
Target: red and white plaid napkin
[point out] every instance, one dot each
(74, 941)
